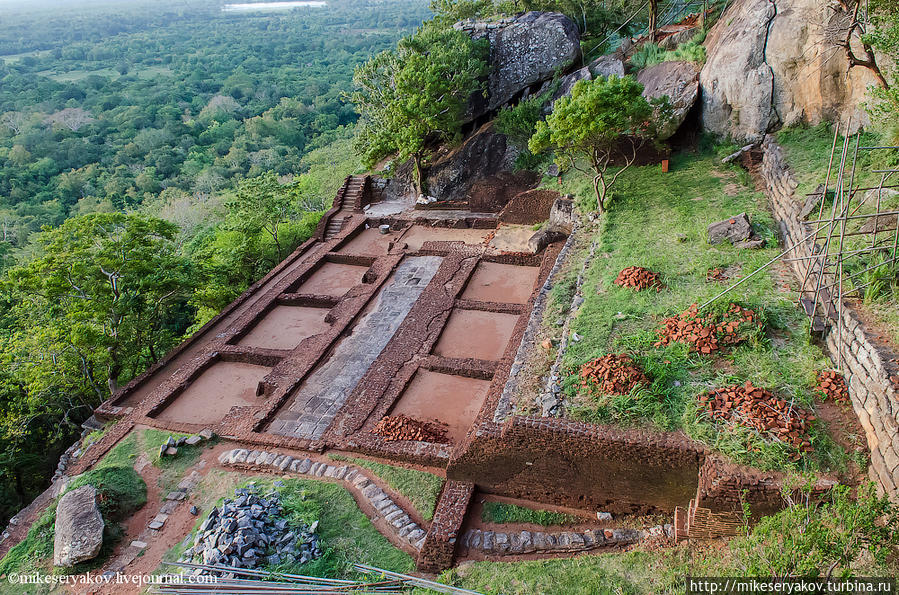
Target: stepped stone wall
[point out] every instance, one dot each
(869, 365)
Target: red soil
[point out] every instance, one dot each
(333, 278)
(503, 283)
(211, 396)
(285, 327)
(477, 334)
(453, 401)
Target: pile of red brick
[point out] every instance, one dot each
(833, 386)
(613, 374)
(639, 279)
(403, 427)
(707, 333)
(716, 274)
(758, 408)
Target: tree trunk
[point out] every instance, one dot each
(653, 18)
(417, 181)
(600, 194)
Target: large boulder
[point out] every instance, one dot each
(817, 85)
(760, 71)
(79, 527)
(680, 82)
(483, 154)
(737, 82)
(607, 65)
(524, 51)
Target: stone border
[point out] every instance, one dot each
(530, 542)
(399, 520)
(869, 365)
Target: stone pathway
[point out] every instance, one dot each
(324, 392)
(397, 518)
(530, 542)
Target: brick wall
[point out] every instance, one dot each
(581, 465)
(869, 366)
(440, 543)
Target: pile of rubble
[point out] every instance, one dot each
(612, 374)
(833, 386)
(639, 279)
(403, 427)
(247, 532)
(759, 409)
(710, 332)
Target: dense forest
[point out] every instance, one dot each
(156, 158)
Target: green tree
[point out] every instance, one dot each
(412, 97)
(265, 204)
(98, 304)
(604, 119)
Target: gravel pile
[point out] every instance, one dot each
(248, 532)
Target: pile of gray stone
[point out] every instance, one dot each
(248, 532)
(170, 447)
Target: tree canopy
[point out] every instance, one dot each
(603, 119)
(415, 95)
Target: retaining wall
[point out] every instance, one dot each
(582, 465)
(869, 366)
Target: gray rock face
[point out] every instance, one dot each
(567, 83)
(79, 527)
(483, 154)
(761, 72)
(562, 214)
(607, 65)
(680, 82)
(737, 83)
(525, 50)
(544, 237)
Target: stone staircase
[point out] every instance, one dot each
(345, 202)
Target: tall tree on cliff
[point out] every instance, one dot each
(603, 122)
(99, 303)
(412, 98)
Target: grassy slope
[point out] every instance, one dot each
(659, 221)
(420, 488)
(808, 151)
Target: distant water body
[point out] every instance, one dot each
(274, 5)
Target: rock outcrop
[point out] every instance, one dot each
(737, 82)
(774, 62)
(524, 51)
(485, 153)
(79, 527)
(680, 82)
(607, 65)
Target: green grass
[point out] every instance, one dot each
(347, 535)
(422, 489)
(121, 490)
(173, 468)
(634, 572)
(500, 512)
(659, 221)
